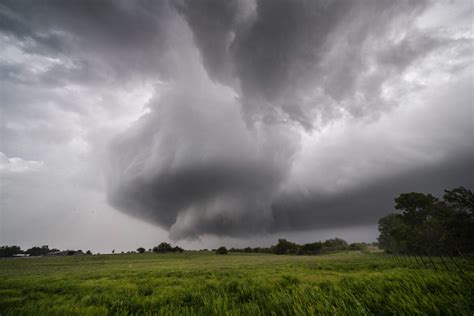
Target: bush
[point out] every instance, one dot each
(221, 251)
(357, 246)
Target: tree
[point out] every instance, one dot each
(415, 206)
(357, 246)
(460, 198)
(459, 226)
(335, 244)
(38, 251)
(285, 247)
(310, 249)
(221, 250)
(163, 248)
(9, 251)
(141, 250)
(428, 225)
(178, 249)
(392, 229)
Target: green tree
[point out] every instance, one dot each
(178, 249)
(310, 248)
(392, 230)
(285, 247)
(221, 250)
(38, 251)
(460, 198)
(9, 251)
(335, 244)
(428, 225)
(163, 247)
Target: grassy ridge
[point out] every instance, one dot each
(236, 284)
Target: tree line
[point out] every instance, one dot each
(12, 251)
(16, 251)
(428, 225)
(284, 246)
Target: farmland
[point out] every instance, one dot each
(346, 283)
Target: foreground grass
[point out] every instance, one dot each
(235, 284)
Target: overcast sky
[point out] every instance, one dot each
(128, 123)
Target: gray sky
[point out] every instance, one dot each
(128, 123)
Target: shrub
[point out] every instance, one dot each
(221, 251)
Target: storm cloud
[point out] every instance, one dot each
(242, 118)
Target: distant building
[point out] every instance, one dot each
(21, 255)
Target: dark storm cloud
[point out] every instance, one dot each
(105, 40)
(213, 24)
(192, 161)
(284, 49)
(368, 202)
(275, 53)
(238, 85)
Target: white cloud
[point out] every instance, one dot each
(18, 165)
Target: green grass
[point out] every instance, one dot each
(350, 283)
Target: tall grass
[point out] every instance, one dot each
(236, 284)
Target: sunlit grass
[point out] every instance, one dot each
(349, 283)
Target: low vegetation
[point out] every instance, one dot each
(346, 283)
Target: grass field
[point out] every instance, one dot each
(350, 283)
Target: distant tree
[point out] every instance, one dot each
(335, 244)
(178, 249)
(88, 252)
(9, 251)
(38, 251)
(141, 250)
(310, 249)
(357, 246)
(113, 250)
(163, 247)
(221, 251)
(285, 247)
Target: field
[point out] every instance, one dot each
(349, 283)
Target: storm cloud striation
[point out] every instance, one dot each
(215, 155)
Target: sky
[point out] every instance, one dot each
(207, 123)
